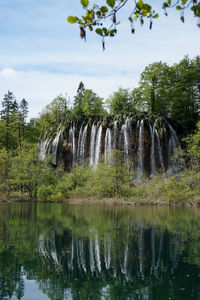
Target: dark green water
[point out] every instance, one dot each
(56, 251)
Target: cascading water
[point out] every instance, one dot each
(98, 146)
(43, 149)
(140, 168)
(83, 145)
(55, 147)
(79, 143)
(155, 140)
(153, 160)
(125, 132)
(173, 144)
(159, 149)
(72, 139)
(89, 148)
(108, 143)
(92, 144)
(115, 133)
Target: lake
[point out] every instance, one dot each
(60, 251)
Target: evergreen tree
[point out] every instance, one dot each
(78, 100)
(8, 104)
(23, 108)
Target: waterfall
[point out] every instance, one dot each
(173, 144)
(108, 143)
(140, 168)
(92, 144)
(125, 131)
(154, 133)
(43, 149)
(153, 161)
(55, 147)
(159, 149)
(79, 143)
(115, 135)
(98, 146)
(83, 145)
(73, 142)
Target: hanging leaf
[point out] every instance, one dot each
(98, 31)
(85, 3)
(104, 9)
(82, 33)
(72, 19)
(111, 3)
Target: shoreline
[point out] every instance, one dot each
(88, 201)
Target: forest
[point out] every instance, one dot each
(170, 94)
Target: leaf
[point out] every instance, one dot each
(85, 3)
(111, 3)
(178, 7)
(140, 4)
(104, 9)
(72, 19)
(99, 31)
(156, 16)
(184, 1)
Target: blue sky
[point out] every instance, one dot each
(41, 55)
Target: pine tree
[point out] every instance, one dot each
(80, 94)
(8, 104)
(23, 108)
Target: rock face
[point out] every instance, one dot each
(147, 145)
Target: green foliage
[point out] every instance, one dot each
(55, 112)
(96, 16)
(25, 169)
(121, 102)
(44, 192)
(155, 85)
(185, 93)
(110, 176)
(193, 148)
(87, 104)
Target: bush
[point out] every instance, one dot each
(44, 192)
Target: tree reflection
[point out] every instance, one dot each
(113, 253)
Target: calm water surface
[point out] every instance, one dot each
(58, 251)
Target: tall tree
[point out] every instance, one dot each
(23, 108)
(155, 85)
(9, 104)
(121, 102)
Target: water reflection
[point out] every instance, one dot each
(80, 252)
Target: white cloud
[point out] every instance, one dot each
(10, 73)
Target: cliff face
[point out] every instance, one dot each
(147, 145)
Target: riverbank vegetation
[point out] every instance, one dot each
(172, 93)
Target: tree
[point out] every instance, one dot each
(110, 177)
(9, 105)
(121, 102)
(23, 114)
(185, 96)
(155, 87)
(26, 169)
(96, 16)
(87, 104)
(9, 115)
(92, 104)
(55, 112)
